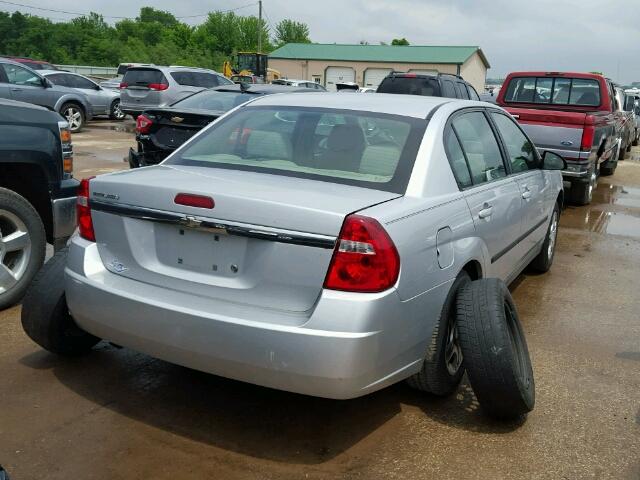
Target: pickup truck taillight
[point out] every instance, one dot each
(365, 258)
(587, 134)
(83, 210)
(67, 148)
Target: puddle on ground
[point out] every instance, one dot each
(597, 221)
(121, 127)
(617, 195)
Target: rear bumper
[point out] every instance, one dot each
(346, 347)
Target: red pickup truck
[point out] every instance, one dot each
(573, 115)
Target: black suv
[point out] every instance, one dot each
(436, 85)
(37, 192)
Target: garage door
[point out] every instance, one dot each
(339, 75)
(374, 76)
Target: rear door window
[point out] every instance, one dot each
(480, 147)
(448, 90)
(457, 159)
(143, 77)
(473, 95)
(462, 91)
(554, 90)
(196, 79)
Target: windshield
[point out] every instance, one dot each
(214, 100)
(340, 146)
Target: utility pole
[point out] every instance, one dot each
(259, 26)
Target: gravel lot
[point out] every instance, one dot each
(118, 414)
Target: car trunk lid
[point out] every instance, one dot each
(172, 127)
(267, 242)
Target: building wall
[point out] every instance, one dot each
(474, 72)
(307, 69)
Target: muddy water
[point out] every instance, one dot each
(615, 210)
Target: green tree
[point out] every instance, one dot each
(399, 41)
(290, 31)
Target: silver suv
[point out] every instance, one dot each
(151, 86)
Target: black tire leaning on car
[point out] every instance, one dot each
(438, 375)
(66, 110)
(543, 261)
(114, 111)
(45, 316)
(495, 351)
(17, 213)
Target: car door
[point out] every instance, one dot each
(535, 187)
(492, 195)
(5, 86)
(27, 86)
(97, 99)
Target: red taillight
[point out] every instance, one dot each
(83, 210)
(158, 86)
(365, 258)
(587, 138)
(143, 124)
(198, 201)
(123, 85)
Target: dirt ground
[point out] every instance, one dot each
(117, 414)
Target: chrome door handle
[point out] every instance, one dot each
(486, 211)
(526, 194)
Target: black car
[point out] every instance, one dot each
(159, 131)
(37, 193)
(436, 85)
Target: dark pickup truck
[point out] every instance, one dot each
(573, 115)
(37, 192)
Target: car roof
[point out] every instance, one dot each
(13, 62)
(171, 68)
(405, 105)
(260, 88)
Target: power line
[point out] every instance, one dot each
(115, 16)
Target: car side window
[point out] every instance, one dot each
(76, 81)
(457, 159)
(462, 91)
(473, 95)
(448, 89)
(480, 147)
(521, 151)
(58, 79)
(21, 76)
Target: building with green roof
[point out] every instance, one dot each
(367, 65)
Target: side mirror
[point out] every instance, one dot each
(553, 161)
(46, 83)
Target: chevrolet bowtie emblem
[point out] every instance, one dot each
(177, 119)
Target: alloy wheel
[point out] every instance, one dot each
(74, 117)
(118, 114)
(593, 182)
(452, 350)
(15, 250)
(553, 234)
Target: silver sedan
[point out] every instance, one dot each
(316, 243)
(103, 101)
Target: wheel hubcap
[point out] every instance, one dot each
(553, 234)
(452, 351)
(117, 112)
(592, 184)
(15, 250)
(74, 117)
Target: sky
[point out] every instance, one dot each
(549, 35)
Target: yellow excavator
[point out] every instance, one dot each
(250, 67)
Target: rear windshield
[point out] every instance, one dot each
(143, 76)
(410, 86)
(340, 146)
(214, 100)
(196, 79)
(554, 91)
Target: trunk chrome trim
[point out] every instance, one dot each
(215, 226)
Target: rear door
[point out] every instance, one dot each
(493, 196)
(535, 188)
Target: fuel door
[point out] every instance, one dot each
(444, 247)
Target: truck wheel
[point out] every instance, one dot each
(22, 246)
(115, 112)
(442, 368)
(74, 115)
(542, 263)
(581, 193)
(495, 351)
(45, 316)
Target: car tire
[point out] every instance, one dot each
(635, 142)
(495, 351)
(442, 368)
(542, 263)
(45, 316)
(22, 246)
(622, 153)
(581, 193)
(115, 113)
(74, 114)
(607, 171)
